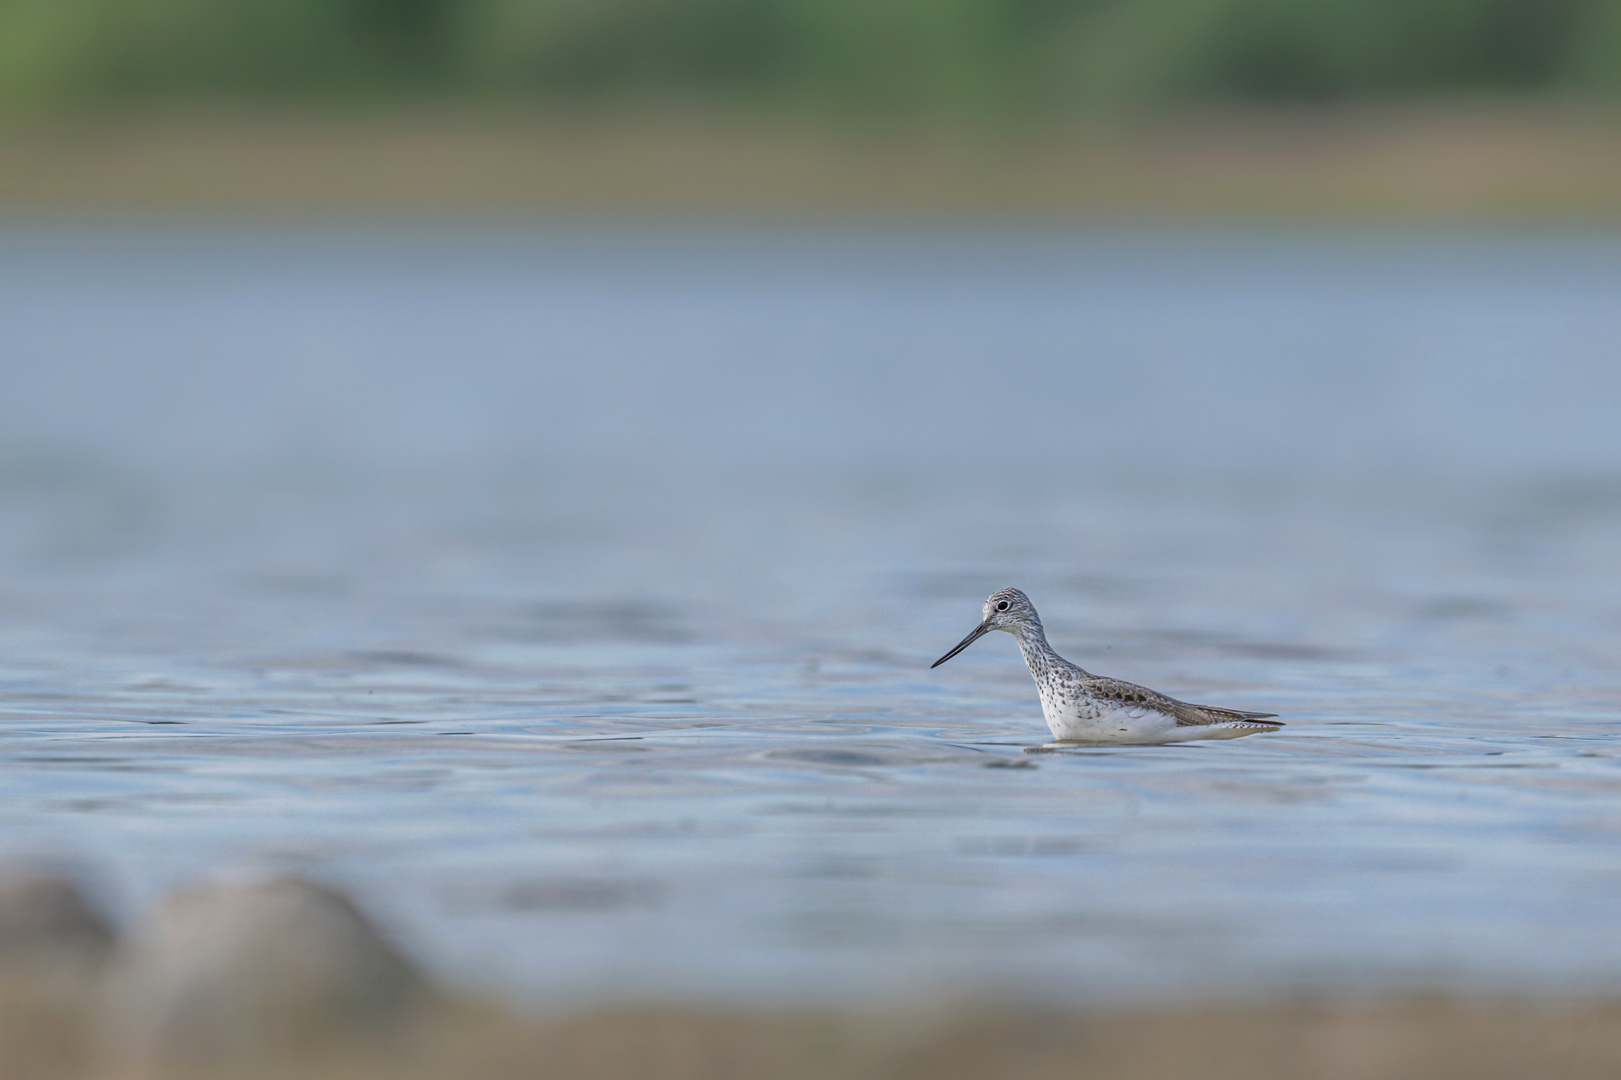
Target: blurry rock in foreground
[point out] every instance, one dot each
(47, 929)
(235, 972)
(52, 947)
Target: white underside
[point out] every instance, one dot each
(1141, 726)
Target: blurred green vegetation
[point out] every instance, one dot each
(927, 57)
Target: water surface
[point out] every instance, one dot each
(568, 595)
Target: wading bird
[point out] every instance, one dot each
(1083, 707)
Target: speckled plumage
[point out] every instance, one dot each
(1084, 707)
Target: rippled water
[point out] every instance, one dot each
(569, 595)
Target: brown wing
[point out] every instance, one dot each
(1195, 715)
(1131, 695)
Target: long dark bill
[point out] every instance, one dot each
(964, 643)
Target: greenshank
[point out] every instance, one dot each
(1082, 707)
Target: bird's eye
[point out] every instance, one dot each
(1001, 605)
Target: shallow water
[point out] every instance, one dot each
(568, 595)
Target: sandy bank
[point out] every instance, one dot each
(1451, 162)
(1422, 1039)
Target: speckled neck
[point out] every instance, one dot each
(1038, 655)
